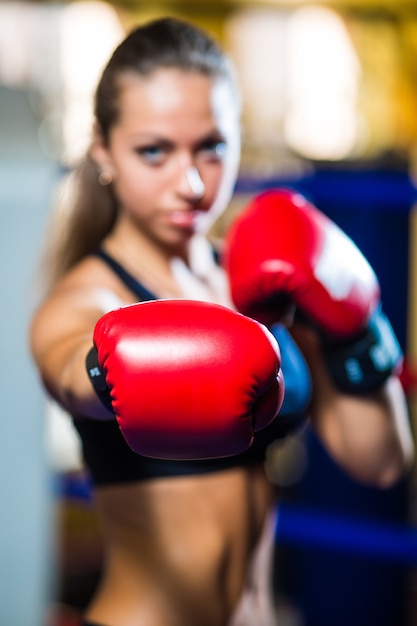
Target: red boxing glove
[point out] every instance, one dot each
(281, 250)
(282, 247)
(187, 380)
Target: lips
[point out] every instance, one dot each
(185, 219)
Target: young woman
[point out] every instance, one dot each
(180, 537)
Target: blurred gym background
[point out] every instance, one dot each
(330, 107)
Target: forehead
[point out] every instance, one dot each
(176, 98)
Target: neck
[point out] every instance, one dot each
(186, 272)
(144, 258)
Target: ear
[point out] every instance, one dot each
(99, 151)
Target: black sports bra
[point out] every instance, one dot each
(134, 285)
(109, 459)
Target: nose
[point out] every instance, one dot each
(192, 186)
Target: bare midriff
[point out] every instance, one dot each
(178, 548)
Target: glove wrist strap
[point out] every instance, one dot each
(363, 364)
(97, 379)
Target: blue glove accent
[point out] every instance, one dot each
(296, 373)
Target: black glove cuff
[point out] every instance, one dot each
(97, 378)
(363, 364)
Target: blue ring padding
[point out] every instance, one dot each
(303, 526)
(365, 190)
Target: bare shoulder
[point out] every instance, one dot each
(75, 304)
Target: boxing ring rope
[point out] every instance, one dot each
(298, 525)
(303, 526)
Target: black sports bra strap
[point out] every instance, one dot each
(134, 285)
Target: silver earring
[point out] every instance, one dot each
(105, 178)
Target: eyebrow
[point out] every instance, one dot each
(155, 138)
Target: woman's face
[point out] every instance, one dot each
(174, 152)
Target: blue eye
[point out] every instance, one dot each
(153, 155)
(214, 149)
